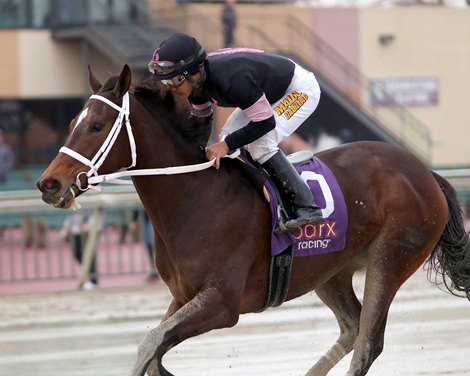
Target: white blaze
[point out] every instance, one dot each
(82, 116)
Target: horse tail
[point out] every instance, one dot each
(450, 258)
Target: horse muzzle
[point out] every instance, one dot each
(54, 194)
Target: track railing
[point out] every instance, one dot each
(33, 248)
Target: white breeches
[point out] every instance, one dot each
(298, 103)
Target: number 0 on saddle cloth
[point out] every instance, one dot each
(328, 235)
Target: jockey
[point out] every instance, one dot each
(273, 96)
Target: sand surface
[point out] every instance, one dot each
(96, 333)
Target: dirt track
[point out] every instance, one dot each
(96, 334)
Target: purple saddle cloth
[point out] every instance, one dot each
(328, 235)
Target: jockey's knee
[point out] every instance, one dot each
(262, 151)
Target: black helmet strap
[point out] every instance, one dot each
(197, 84)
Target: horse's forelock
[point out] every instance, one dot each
(109, 84)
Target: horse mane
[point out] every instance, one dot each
(172, 112)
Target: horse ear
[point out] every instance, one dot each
(124, 82)
(94, 83)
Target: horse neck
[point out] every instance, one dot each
(155, 146)
(157, 149)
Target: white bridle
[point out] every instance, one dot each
(94, 179)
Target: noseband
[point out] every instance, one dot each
(94, 179)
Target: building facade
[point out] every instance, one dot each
(420, 54)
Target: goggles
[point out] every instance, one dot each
(174, 82)
(162, 68)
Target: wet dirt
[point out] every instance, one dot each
(96, 333)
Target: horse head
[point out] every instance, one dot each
(93, 132)
(101, 139)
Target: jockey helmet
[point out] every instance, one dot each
(180, 54)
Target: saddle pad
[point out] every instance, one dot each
(328, 235)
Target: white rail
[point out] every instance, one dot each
(120, 195)
(30, 200)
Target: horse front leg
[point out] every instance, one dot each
(210, 309)
(153, 368)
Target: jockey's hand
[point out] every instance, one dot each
(217, 151)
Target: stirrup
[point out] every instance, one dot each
(282, 217)
(281, 228)
(291, 224)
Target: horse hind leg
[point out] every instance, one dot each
(370, 341)
(391, 263)
(338, 294)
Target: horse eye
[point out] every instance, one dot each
(97, 127)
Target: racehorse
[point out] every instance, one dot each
(213, 227)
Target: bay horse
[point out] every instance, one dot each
(213, 228)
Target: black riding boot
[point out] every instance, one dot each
(295, 194)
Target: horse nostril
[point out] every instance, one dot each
(49, 185)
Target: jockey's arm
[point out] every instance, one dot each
(251, 132)
(262, 121)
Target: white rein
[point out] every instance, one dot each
(94, 179)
